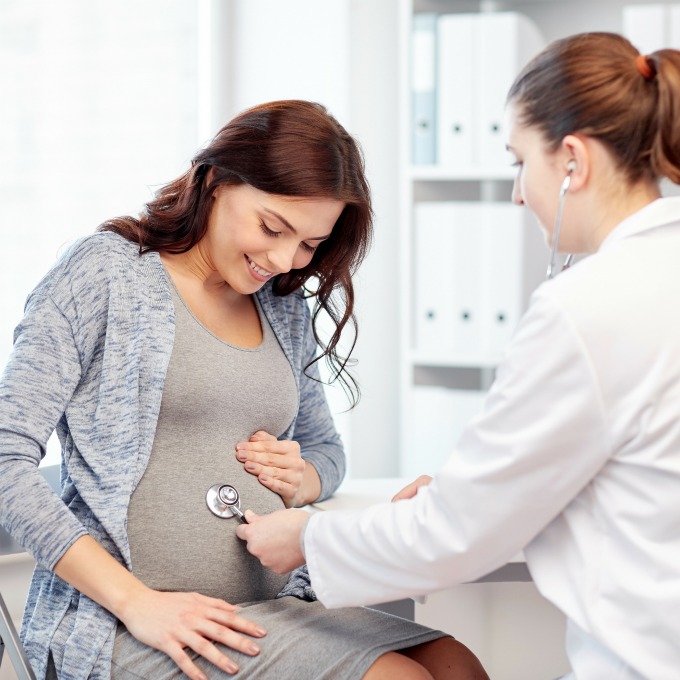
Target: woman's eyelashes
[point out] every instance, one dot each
(276, 234)
(268, 231)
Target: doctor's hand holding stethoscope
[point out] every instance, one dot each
(277, 541)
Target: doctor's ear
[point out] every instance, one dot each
(575, 154)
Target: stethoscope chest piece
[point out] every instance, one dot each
(223, 501)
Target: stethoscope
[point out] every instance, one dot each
(223, 500)
(552, 267)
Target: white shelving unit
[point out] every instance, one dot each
(426, 376)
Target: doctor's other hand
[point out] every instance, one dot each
(173, 622)
(278, 465)
(410, 490)
(275, 538)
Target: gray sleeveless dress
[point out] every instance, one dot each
(215, 396)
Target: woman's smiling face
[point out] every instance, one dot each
(253, 236)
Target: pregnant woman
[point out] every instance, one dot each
(174, 352)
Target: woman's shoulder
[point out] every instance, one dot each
(92, 256)
(90, 268)
(99, 249)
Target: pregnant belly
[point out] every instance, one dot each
(177, 544)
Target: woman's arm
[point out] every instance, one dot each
(319, 441)
(37, 383)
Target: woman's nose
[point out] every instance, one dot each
(282, 257)
(517, 193)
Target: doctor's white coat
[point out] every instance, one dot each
(575, 458)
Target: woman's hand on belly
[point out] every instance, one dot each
(279, 466)
(167, 621)
(171, 622)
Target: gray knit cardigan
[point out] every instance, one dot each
(89, 359)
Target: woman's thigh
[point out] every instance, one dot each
(304, 641)
(447, 659)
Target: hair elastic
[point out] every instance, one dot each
(645, 68)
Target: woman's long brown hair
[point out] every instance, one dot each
(288, 148)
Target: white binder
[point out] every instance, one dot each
(652, 27)
(476, 265)
(645, 26)
(431, 436)
(448, 247)
(438, 417)
(433, 279)
(512, 267)
(456, 51)
(478, 58)
(506, 41)
(674, 29)
(423, 81)
(465, 258)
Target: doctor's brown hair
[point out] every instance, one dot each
(598, 84)
(288, 148)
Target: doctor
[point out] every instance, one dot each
(575, 457)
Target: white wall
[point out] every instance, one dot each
(374, 97)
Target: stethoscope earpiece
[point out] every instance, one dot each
(223, 501)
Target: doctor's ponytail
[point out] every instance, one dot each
(598, 84)
(665, 151)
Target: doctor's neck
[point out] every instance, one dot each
(610, 198)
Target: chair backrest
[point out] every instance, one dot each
(10, 643)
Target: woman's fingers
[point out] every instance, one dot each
(191, 670)
(279, 486)
(280, 454)
(222, 627)
(278, 465)
(261, 435)
(205, 649)
(236, 622)
(172, 622)
(228, 637)
(410, 490)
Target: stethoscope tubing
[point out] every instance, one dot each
(552, 267)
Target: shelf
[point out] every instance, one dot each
(436, 173)
(447, 362)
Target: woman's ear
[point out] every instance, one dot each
(574, 150)
(209, 178)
